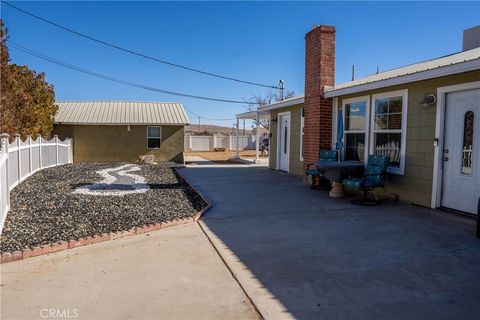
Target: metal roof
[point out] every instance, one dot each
(120, 112)
(452, 64)
(263, 111)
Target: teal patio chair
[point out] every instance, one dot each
(374, 178)
(312, 172)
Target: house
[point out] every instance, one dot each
(121, 130)
(425, 116)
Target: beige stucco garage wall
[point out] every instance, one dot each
(416, 184)
(295, 164)
(115, 143)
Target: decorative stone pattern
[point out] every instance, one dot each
(118, 181)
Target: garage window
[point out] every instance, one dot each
(154, 137)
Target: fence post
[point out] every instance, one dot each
(70, 150)
(4, 142)
(39, 138)
(55, 137)
(19, 162)
(30, 167)
(214, 137)
(229, 143)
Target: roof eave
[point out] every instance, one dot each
(282, 104)
(118, 124)
(413, 77)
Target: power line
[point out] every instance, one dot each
(139, 54)
(206, 118)
(106, 77)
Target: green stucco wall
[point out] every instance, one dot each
(115, 143)
(415, 185)
(295, 164)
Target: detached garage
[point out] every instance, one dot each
(107, 131)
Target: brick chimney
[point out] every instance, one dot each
(319, 72)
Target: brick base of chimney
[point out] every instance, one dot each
(319, 72)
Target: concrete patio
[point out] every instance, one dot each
(168, 274)
(299, 253)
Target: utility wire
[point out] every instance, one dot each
(136, 52)
(106, 77)
(206, 118)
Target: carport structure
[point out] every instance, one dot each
(257, 116)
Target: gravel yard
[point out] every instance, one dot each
(68, 202)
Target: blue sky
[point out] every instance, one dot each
(261, 42)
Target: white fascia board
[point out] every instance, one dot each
(414, 77)
(282, 104)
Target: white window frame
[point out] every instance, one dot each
(365, 99)
(399, 93)
(302, 126)
(148, 137)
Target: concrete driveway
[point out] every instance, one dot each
(168, 274)
(299, 253)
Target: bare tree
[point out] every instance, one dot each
(263, 100)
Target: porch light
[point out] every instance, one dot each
(429, 100)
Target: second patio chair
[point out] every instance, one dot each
(374, 178)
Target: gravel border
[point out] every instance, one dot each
(45, 210)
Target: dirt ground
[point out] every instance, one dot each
(222, 155)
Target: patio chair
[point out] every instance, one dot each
(374, 178)
(312, 171)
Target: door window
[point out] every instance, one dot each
(467, 150)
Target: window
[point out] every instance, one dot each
(302, 124)
(389, 128)
(467, 150)
(154, 137)
(355, 128)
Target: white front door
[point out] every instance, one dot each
(284, 142)
(461, 153)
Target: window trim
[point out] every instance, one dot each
(148, 137)
(302, 133)
(365, 99)
(403, 142)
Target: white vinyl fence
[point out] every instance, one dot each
(206, 143)
(20, 159)
(390, 149)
